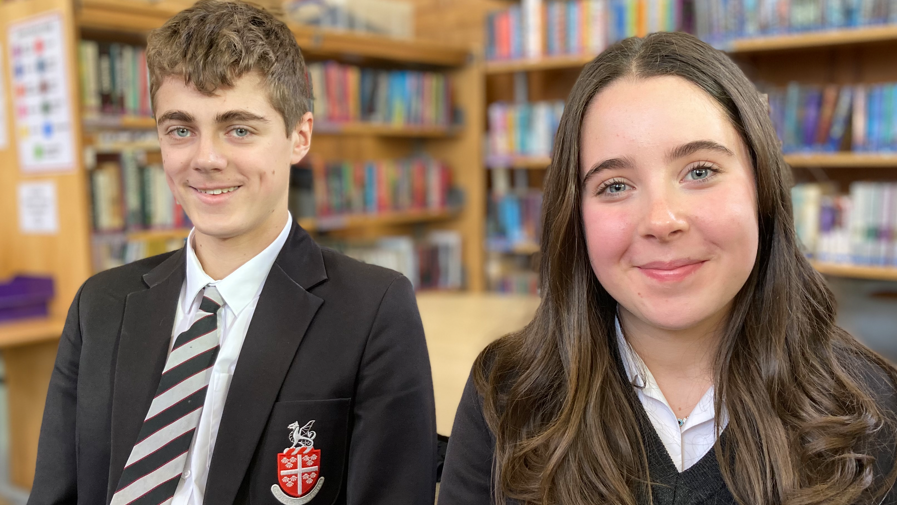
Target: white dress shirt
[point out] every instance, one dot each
(240, 291)
(687, 444)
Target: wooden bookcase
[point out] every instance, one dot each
(853, 56)
(29, 347)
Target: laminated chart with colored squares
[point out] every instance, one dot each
(41, 106)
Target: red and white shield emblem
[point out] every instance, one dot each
(298, 468)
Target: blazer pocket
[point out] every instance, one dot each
(302, 456)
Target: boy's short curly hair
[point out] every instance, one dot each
(215, 42)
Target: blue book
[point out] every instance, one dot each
(884, 140)
(490, 35)
(812, 106)
(620, 22)
(873, 118)
(840, 118)
(524, 127)
(892, 119)
(516, 27)
(792, 126)
(550, 28)
(574, 38)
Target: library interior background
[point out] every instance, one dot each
(434, 124)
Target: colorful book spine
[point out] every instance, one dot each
(432, 262)
(522, 129)
(858, 228)
(372, 187)
(719, 21)
(831, 118)
(560, 27)
(347, 93)
(113, 79)
(129, 195)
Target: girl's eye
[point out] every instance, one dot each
(700, 173)
(616, 187)
(613, 187)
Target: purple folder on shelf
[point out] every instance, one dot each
(25, 296)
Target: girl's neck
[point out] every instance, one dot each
(681, 361)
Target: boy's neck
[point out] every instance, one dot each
(220, 257)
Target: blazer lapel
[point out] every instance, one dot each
(142, 351)
(285, 310)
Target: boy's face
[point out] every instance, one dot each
(226, 156)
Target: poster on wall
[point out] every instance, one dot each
(38, 210)
(40, 105)
(4, 133)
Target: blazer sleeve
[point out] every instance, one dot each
(55, 478)
(392, 454)
(467, 474)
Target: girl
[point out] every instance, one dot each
(685, 352)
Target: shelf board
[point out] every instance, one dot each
(529, 162)
(169, 234)
(140, 17)
(856, 271)
(828, 38)
(349, 221)
(546, 63)
(384, 130)
(843, 160)
(26, 331)
(503, 246)
(328, 223)
(318, 43)
(120, 122)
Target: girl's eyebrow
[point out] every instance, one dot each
(673, 155)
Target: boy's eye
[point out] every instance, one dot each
(241, 132)
(181, 132)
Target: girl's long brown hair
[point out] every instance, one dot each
(802, 423)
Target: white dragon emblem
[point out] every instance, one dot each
(302, 437)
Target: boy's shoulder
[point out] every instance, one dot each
(344, 272)
(125, 279)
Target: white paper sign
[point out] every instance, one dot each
(4, 118)
(40, 90)
(38, 212)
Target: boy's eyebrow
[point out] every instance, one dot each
(240, 116)
(674, 154)
(175, 115)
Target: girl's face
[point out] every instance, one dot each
(668, 203)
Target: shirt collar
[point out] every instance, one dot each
(641, 377)
(636, 371)
(243, 284)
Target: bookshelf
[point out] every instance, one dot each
(29, 347)
(847, 56)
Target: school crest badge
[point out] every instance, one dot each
(298, 468)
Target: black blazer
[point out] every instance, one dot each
(331, 340)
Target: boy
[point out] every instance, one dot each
(251, 365)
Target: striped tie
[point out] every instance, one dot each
(157, 460)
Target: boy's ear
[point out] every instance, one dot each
(301, 137)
